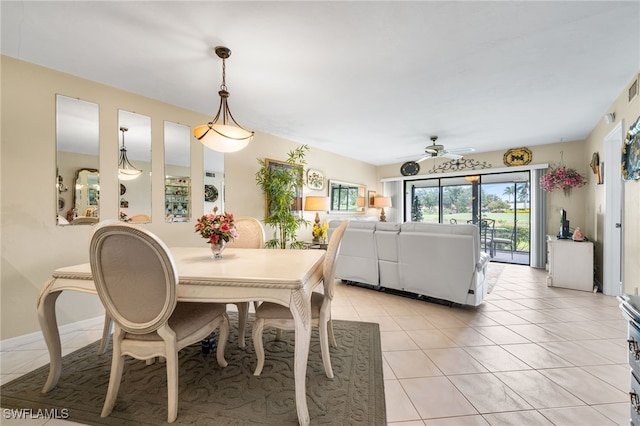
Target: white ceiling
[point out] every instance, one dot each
(367, 79)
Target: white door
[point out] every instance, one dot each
(612, 242)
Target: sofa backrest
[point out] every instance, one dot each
(446, 228)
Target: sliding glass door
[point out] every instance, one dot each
(499, 199)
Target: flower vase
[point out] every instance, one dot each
(567, 191)
(217, 249)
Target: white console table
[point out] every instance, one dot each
(570, 264)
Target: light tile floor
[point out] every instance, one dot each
(529, 355)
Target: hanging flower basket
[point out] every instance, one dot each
(562, 178)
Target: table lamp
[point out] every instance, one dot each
(316, 204)
(380, 203)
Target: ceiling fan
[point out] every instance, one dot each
(436, 150)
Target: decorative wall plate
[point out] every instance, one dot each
(517, 157)
(123, 189)
(210, 193)
(410, 168)
(315, 179)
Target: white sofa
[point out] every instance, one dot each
(442, 261)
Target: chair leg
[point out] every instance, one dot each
(117, 364)
(172, 384)
(258, 328)
(106, 333)
(332, 337)
(243, 315)
(223, 336)
(324, 347)
(278, 334)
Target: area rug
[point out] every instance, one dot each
(493, 274)
(211, 395)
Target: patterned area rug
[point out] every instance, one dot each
(494, 270)
(211, 395)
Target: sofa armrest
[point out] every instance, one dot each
(483, 261)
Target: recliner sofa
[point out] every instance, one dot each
(442, 261)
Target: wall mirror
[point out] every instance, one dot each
(134, 166)
(77, 150)
(86, 197)
(213, 180)
(177, 172)
(347, 197)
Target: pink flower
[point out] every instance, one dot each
(215, 227)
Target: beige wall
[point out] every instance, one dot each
(33, 246)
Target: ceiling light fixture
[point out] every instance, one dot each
(126, 170)
(223, 133)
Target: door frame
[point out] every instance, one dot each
(614, 201)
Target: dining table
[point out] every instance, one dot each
(286, 277)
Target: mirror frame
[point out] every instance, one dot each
(81, 219)
(362, 190)
(178, 191)
(77, 134)
(138, 205)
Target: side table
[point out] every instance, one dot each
(315, 246)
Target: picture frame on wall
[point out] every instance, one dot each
(370, 196)
(315, 179)
(275, 165)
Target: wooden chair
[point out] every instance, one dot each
(136, 278)
(274, 315)
(250, 235)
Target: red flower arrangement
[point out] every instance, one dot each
(217, 227)
(562, 178)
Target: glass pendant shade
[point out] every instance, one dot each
(223, 133)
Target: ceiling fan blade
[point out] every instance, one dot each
(424, 157)
(461, 150)
(452, 155)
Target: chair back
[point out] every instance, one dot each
(329, 266)
(250, 233)
(135, 276)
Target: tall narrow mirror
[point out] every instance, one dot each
(177, 172)
(134, 166)
(77, 149)
(213, 180)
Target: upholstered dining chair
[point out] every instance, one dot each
(250, 235)
(250, 231)
(136, 278)
(274, 315)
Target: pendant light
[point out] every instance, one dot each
(223, 133)
(126, 170)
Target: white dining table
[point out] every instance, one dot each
(286, 277)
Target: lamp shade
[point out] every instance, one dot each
(381, 202)
(316, 203)
(223, 137)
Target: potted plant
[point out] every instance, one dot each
(280, 186)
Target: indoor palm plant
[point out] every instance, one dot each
(281, 186)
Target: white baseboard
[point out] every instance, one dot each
(25, 339)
